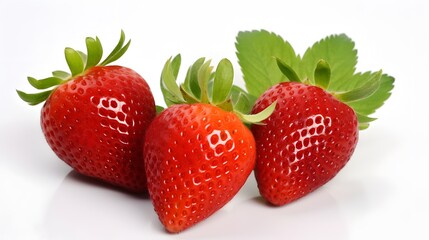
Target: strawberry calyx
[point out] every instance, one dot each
(322, 75)
(78, 63)
(202, 84)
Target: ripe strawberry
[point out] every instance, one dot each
(307, 140)
(94, 118)
(197, 156)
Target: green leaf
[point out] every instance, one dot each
(371, 85)
(175, 65)
(242, 104)
(259, 117)
(287, 71)
(61, 74)
(339, 52)
(188, 97)
(322, 74)
(223, 80)
(169, 87)
(74, 61)
(191, 84)
(117, 54)
(226, 106)
(34, 98)
(364, 92)
(118, 51)
(204, 74)
(370, 104)
(363, 126)
(95, 52)
(44, 83)
(242, 101)
(255, 52)
(159, 109)
(83, 56)
(364, 119)
(170, 91)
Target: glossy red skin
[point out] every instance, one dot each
(96, 124)
(305, 142)
(197, 157)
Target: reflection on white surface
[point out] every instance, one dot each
(83, 208)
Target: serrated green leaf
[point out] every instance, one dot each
(94, 50)
(61, 74)
(34, 98)
(364, 119)
(371, 85)
(339, 52)
(360, 91)
(363, 126)
(370, 104)
(44, 83)
(74, 61)
(223, 80)
(255, 52)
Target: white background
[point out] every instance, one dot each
(381, 194)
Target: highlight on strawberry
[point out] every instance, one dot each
(321, 106)
(95, 116)
(197, 152)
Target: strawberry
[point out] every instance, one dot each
(197, 152)
(95, 117)
(308, 139)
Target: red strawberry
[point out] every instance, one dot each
(197, 156)
(94, 119)
(307, 140)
